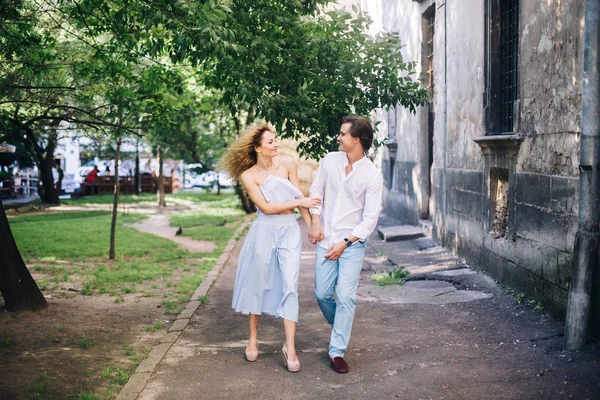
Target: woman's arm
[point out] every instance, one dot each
(293, 177)
(259, 200)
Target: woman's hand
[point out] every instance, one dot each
(310, 202)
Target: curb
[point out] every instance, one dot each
(137, 382)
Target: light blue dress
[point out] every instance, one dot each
(266, 281)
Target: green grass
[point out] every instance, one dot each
(108, 199)
(81, 235)
(84, 343)
(188, 197)
(84, 395)
(39, 386)
(397, 276)
(157, 326)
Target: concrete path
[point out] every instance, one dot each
(450, 334)
(159, 225)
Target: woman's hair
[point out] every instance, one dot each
(241, 155)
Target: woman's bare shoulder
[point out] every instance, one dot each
(248, 176)
(287, 161)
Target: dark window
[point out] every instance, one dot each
(503, 66)
(429, 27)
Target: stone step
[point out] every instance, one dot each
(400, 232)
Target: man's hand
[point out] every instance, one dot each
(315, 234)
(335, 251)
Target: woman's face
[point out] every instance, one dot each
(268, 144)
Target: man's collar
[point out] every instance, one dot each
(356, 163)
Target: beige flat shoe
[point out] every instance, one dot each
(292, 366)
(251, 355)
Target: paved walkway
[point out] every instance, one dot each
(456, 335)
(159, 225)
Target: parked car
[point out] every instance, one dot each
(206, 180)
(69, 185)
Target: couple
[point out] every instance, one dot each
(341, 214)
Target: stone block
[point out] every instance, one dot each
(134, 386)
(534, 189)
(179, 325)
(564, 195)
(468, 203)
(187, 313)
(399, 233)
(170, 337)
(471, 181)
(543, 226)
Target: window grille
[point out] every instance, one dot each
(508, 68)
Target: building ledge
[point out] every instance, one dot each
(499, 141)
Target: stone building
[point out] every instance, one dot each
(492, 159)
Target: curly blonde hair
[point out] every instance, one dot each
(241, 155)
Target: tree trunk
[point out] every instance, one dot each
(160, 187)
(247, 204)
(47, 190)
(18, 288)
(61, 176)
(218, 184)
(113, 223)
(136, 179)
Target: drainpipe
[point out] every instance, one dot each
(585, 252)
(444, 137)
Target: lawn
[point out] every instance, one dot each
(184, 197)
(104, 315)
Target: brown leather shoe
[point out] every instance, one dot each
(339, 365)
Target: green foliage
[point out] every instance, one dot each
(38, 388)
(84, 395)
(155, 327)
(397, 276)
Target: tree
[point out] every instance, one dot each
(304, 72)
(19, 290)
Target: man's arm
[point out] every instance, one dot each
(373, 198)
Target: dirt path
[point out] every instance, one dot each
(159, 225)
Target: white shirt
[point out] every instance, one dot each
(350, 204)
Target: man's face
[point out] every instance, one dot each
(345, 139)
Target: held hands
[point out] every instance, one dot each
(335, 251)
(309, 202)
(315, 234)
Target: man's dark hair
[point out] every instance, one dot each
(360, 128)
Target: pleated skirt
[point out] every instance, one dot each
(266, 280)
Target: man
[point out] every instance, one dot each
(351, 189)
(90, 179)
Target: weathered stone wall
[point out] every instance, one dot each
(535, 256)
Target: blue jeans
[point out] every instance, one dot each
(339, 277)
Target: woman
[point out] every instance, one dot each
(269, 263)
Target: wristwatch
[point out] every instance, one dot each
(348, 242)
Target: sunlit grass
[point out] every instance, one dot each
(185, 197)
(84, 235)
